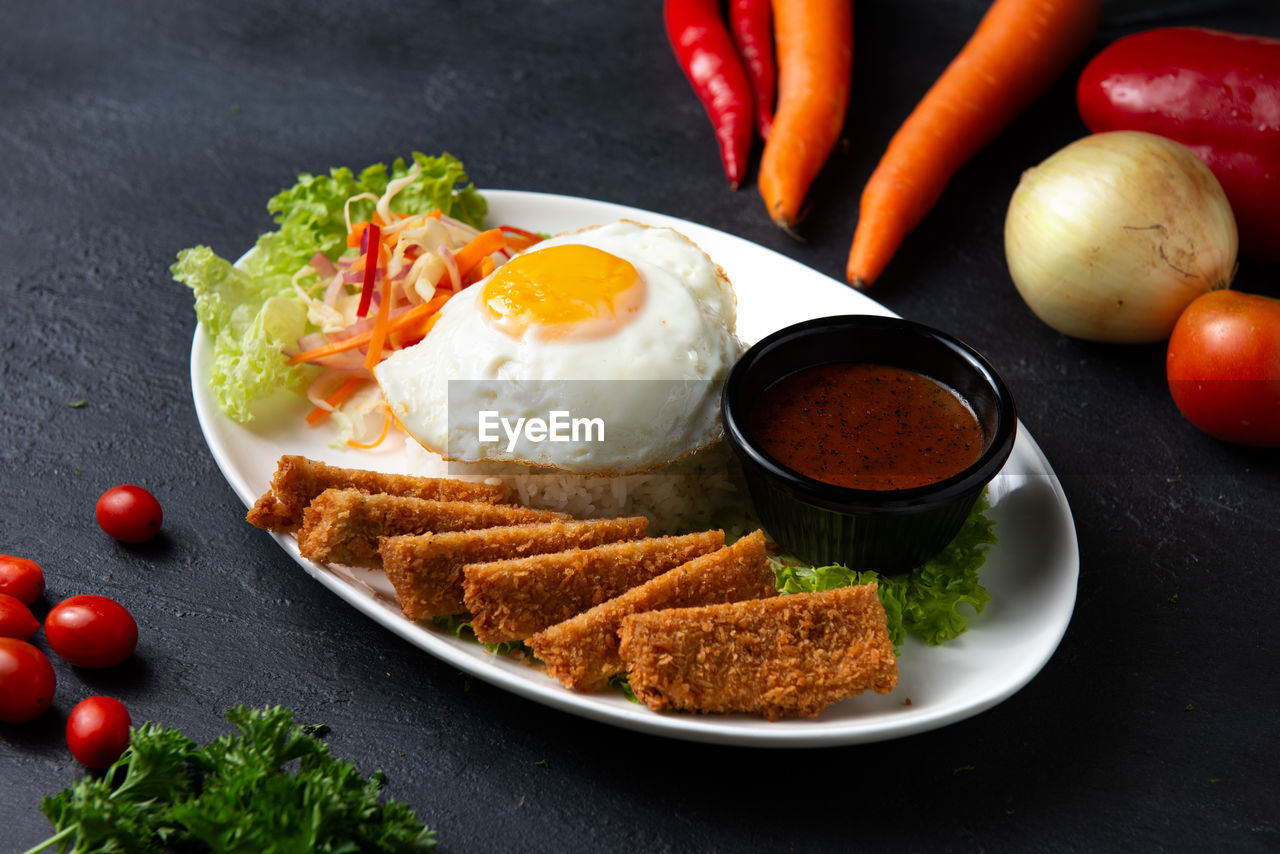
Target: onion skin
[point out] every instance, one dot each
(1110, 238)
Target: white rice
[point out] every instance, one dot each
(703, 491)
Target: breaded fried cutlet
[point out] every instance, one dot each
(299, 480)
(786, 655)
(344, 525)
(582, 651)
(426, 569)
(512, 599)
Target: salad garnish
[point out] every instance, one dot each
(358, 268)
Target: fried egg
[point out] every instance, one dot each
(620, 335)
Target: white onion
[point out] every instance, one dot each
(1112, 237)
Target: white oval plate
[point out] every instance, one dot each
(1031, 573)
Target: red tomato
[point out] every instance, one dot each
(1224, 367)
(91, 631)
(26, 681)
(98, 731)
(129, 513)
(16, 619)
(21, 578)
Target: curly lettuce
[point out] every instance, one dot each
(924, 602)
(251, 311)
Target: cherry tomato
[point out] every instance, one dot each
(21, 578)
(91, 631)
(1224, 366)
(16, 619)
(98, 731)
(129, 513)
(26, 681)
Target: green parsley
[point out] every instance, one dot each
(271, 787)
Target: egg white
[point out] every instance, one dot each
(654, 381)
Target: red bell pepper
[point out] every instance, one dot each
(371, 248)
(707, 55)
(1216, 93)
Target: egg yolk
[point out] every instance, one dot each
(569, 291)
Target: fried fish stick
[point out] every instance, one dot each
(786, 655)
(298, 480)
(512, 599)
(426, 569)
(344, 525)
(582, 651)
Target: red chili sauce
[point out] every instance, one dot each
(866, 426)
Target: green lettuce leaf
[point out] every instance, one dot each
(252, 312)
(924, 602)
(249, 323)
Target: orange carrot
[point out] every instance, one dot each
(348, 388)
(410, 333)
(479, 271)
(519, 238)
(1019, 48)
(379, 336)
(413, 315)
(482, 245)
(356, 234)
(386, 428)
(814, 41)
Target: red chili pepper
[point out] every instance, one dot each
(1216, 93)
(707, 55)
(752, 24)
(371, 248)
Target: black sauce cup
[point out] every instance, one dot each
(885, 530)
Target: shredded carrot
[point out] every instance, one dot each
(430, 324)
(379, 336)
(348, 388)
(386, 427)
(481, 246)
(358, 340)
(408, 333)
(815, 60)
(413, 315)
(356, 235)
(1018, 49)
(518, 238)
(479, 271)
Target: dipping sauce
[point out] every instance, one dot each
(866, 426)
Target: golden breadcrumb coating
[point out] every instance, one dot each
(298, 481)
(582, 651)
(786, 655)
(426, 569)
(512, 599)
(344, 525)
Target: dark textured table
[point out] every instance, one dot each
(133, 130)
